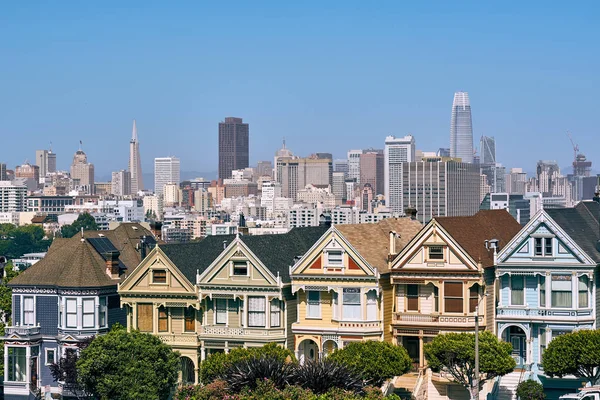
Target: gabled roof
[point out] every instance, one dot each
(77, 263)
(472, 232)
(276, 252)
(372, 240)
(582, 224)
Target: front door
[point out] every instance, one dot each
(518, 352)
(411, 344)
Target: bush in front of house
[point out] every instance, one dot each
(530, 390)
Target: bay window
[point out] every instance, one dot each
(275, 313)
(89, 306)
(71, 312)
(144, 317)
(542, 283)
(351, 304)
(17, 364)
(28, 311)
(102, 319)
(562, 294)
(220, 311)
(436, 299)
(473, 297)
(257, 311)
(453, 297)
(517, 290)
(372, 305)
(163, 319)
(335, 302)
(583, 291)
(313, 304)
(412, 297)
(189, 315)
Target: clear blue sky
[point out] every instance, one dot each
(329, 76)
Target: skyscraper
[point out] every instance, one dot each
(46, 160)
(233, 146)
(461, 128)
(354, 165)
(487, 148)
(135, 163)
(372, 171)
(82, 172)
(3, 175)
(396, 152)
(166, 170)
(121, 183)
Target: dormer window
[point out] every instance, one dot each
(240, 268)
(159, 276)
(543, 247)
(334, 258)
(436, 252)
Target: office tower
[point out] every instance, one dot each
(372, 170)
(397, 151)
(82, 172)
(516, 181)
(3, 176)
(441, 188)
(166, 170)
(233, 146)
(46, 161)
(366, 198)
(354, 165)
(28, 171)
(487, 148)
(340, 166)
(295, 173)
(547, 172)
(282, 154)
(270, 191)
(443, 152)
(171, 194)
(12, 197)
(121, 183)
(461, 128)
(339, 185)
(135, 162)
(264, 168)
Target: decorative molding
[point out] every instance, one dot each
(34, 290)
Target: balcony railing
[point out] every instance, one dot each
(543, 313)
(183, 339)
(436, 319)
(359, 325)
(23, 330)
(229, 331)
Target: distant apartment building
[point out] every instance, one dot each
(546, 172)
(339, 185)
(340, 166)
(313, 194)
(240, 188)
(49, 205)
(295, 173)
(166, 170)
(516, 181)
(354, 165)
(518, 206)
(233, 146)
(28, 171)
(264, 168)
(270, 191)
(397, 152)
(171, 195)
(372, 170)
(12, 197)
(440, 188)
(121, 183)
(3, 175)
(100, 189)
(153, 205)
(202, 200)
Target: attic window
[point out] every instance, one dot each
(159, 276)
(334, 258)
(436, 252)
(240, 268)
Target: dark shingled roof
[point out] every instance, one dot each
(472, 232)
(276, 252)
(75, 263)
(581, 224)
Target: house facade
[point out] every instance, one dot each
(69, 295)
(221, 293)
(439, 278)
(343, 288)
(545, 282)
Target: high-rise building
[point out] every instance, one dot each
(354, 165)
(12, 197)
(461, 128)
(547, 172)
(135, 162)
(233, 146)
(82, 172)
(3, 176)
(516, 181)
(166, 170)
(270, 191)
(121, 183)
(28, 171)
(295, 173)
(281, 154)
(264, 168)
(372, 170)
(340, 166)
(46, 161)
(487, 148)
(441, 188)
(339, 185)
(397, 151)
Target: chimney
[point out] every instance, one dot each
(143, 247)
(112, 264)
(392, 248)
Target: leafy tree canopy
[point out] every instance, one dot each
(16, 241)
(576, 353)
(85, 221)
(530, 390)
(125, 365)
(455, 353)
(376, 361)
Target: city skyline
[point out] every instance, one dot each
(351, 93)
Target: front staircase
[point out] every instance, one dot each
(507, 389)
(405, 384)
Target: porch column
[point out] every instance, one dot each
(267, 312)
(548, 290)
(421, 355)
(575, 290)
(202, 353)
(245, 312)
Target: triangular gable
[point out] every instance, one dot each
(314, 262)
(413, 254)
(140, 279)
(218, 272)
(542, 224)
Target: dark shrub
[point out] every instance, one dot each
(323, 375)
(530, 390)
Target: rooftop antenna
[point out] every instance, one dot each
(80, 144)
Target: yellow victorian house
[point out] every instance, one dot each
(343, 287)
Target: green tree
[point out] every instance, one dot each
(530, 390)
(455, 353)
(85, 221)
(125, 365)
(576, 353)
(376, 361)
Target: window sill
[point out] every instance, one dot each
(318, 318)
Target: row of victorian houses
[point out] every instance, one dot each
(312, 290)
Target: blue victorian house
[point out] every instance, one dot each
(545, 284)
(69, 295)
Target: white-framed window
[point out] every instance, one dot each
(335, 258)
(275, 313)
(372, 305)
(351, 304)
(517, 290)
(543, 342)
(257, 311)
(583, 290)
(313, 304)
(335, 304)
(543, 246)
(562, 292)
(17, 364)
(103, 312)
(28, 311)
(542, 284)
(239, 268)
(51, 356)
(436, 252)
(89, 313)
(159, 276)
(220, 311)
(71, 313)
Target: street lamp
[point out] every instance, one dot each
(476, 380)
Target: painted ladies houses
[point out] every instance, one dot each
(343, 286)
(69, 295)
(439, 278)
(218, 294)
(545, 282)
